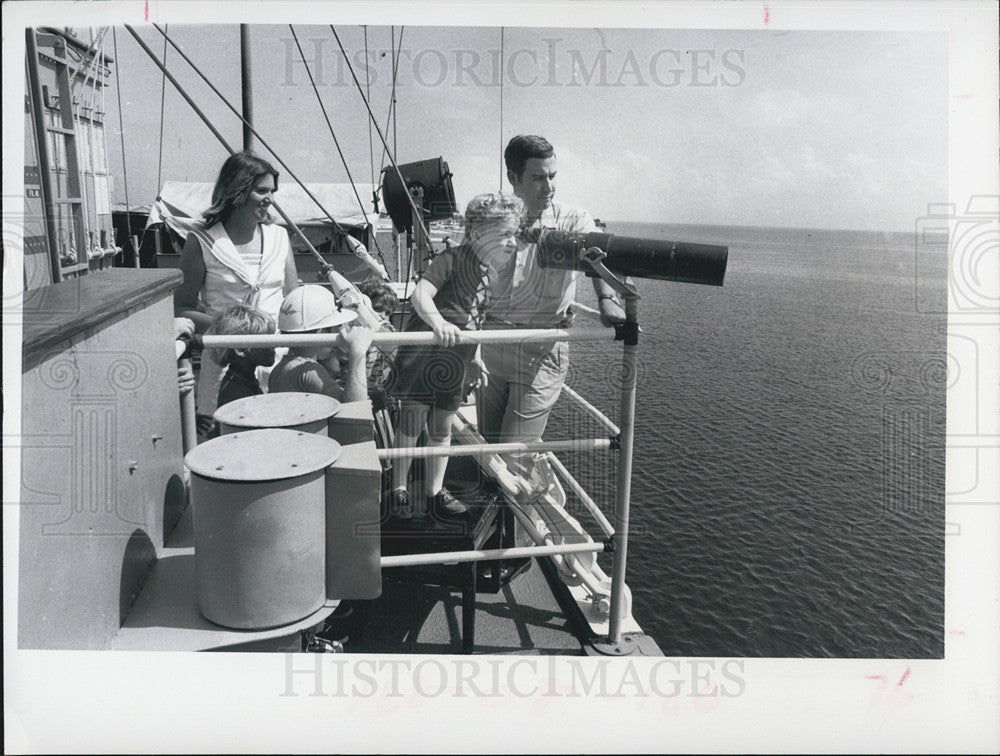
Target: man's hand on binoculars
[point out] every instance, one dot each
(612, 313)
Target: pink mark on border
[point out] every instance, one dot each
(902, 679)
(874, 677)
(147, 10)
(767, 15)
(957, 632)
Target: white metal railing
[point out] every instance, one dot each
(517, 447)
(582, 495)
(588, 407)
(622, 439)
(478, 555)
(525, 335)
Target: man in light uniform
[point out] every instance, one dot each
(525, 379)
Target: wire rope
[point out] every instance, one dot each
(333, 134)
(396, 56)
(368, 92)
(163, 96)
(267, 146)
(501, 109)
(121, 131)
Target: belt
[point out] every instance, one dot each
(508, 324)
(505, 323)
(566, 322)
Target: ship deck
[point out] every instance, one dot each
(523, 617)
(420, 611)
(519, 607)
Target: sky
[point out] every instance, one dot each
(819, 129)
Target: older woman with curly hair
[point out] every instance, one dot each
(234, 256)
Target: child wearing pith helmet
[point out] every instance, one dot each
(337, 371)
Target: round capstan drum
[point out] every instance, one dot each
(296, 411)
(259, 506)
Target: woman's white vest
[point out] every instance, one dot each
(229, 279)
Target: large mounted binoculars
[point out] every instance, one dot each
(629, 256)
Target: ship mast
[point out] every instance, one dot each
(246, 87)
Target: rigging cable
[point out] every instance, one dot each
(98, 57)
(368, 316)
(81, 177)
(237, 113)
(391, 113)
(396, 55)
(501, 110)
(371, 115)
(103, 144)
(215, 132)
(121, 131)
(76, 112)
(163, 99)
(395, 141)
(371, 144)
(418, 213)
(84, 70)
(336, 142)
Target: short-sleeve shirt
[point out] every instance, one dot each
(239, 382)
(430, 373)
(460, 278)
(303, 374)
(527, 294)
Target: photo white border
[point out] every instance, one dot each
(95, 702)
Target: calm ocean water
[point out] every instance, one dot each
(788, 491)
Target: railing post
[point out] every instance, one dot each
(189, 426)
(624, 489)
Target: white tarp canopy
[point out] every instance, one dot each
(182, 202)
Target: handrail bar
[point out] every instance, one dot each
(582, 494)
(513, 335)
(468, 450)
(479, 555)
(598, 415)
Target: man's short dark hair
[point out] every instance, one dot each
(523, 148)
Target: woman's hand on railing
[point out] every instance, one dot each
(183, 328)
(185, 376)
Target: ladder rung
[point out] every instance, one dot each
(68, 201)
(61, 130)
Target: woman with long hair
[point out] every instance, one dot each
(234, 256)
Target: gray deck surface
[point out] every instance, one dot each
(411, 618)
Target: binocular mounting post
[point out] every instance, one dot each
(629, 332)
